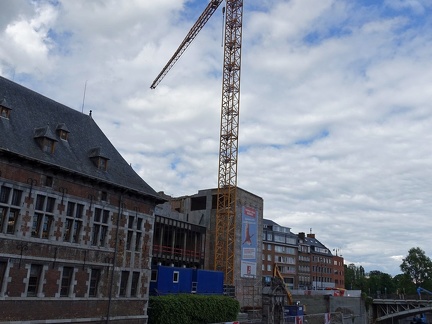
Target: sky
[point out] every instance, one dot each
(335, 111)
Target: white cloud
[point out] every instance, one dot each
(25, 41)
(334, 123)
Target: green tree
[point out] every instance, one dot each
(354, 277)
(349, 275)
(381, 283)
(417, 266)
(404, 284)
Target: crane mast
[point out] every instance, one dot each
(225, 223)
(228, 151)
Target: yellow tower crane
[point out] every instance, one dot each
(225, 227)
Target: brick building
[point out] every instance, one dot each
(322, 267)
(280, 246)
(338, 271)
(304, 262)
(76, 221)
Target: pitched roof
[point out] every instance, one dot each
(269, 222)
(33, 115)
(317, 246)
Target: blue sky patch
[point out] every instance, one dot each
(309, 141)
(61, 41)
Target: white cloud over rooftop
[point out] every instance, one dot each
(335, 121)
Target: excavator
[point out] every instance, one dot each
(292, 308)
(420, 290)
(422, 318)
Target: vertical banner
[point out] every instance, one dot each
(327, 318)
(249, 242)
(299, 320)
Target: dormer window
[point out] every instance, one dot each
(62, 131)
(45, 138)
(5, 109)
(103, 163)
(4, 112)
(48, 145)
(99, 159)
(63, 135)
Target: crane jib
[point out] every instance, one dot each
(193, 32)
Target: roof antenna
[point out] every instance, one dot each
(85, 88)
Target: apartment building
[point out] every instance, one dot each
(280, 247)
(304, 262)
(338, 270)
(76, 221)
(322, 267)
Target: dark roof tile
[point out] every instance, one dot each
(32, 110)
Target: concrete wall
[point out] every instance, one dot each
(352, 309)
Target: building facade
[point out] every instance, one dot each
(177, 241)
(321, 263)
(280, 247)
(338, 270)
(200, 210)
(76, 222)
(304, 262)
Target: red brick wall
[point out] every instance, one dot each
(26, 310)
(53, 253)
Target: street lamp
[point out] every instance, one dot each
(322, 279)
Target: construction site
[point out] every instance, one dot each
(232, 216)
(113, 229)
(235, 213)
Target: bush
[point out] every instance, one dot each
(193, 309)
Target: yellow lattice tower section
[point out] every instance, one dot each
(228, 149)
(228, 152)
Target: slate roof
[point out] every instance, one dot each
(33, 116)
(269, 222)
(311, 241)
(314, 244)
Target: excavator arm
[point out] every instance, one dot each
(420, 290)
(277, 274)
(193, 32)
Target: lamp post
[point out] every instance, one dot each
(322, 279)
(22, 246)
(321, 269)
